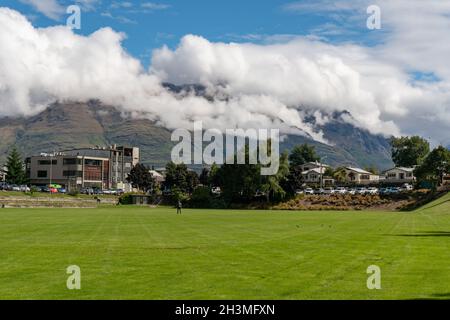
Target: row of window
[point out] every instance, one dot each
(68, 173)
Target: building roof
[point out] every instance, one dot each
(318, 164)
(315, 170)
(359, 170)
(405, 169)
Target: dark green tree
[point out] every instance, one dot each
(273, 185)
(204, 177)
(15, 167)
(434, 166)
(302, 154)
(239, 182)
(409, 151)
(179, 177)
(141, 178)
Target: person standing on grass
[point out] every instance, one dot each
(179, 206)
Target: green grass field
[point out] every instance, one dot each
(141, 253)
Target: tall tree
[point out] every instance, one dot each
(273, 185)
(179, 177)
(15, 167)
(204, 177)
(434, 166)
(340, 174)
(302, 154)
(239, 182)
(409, 151)
(141, 178)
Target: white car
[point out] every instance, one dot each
(372, 190)
(352, 191)
(407, 187)
(328, 191)
(340, 190)
(361, 190)
(309, 191)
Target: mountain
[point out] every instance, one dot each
(72, 125)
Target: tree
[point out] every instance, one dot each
(372, 169)
(141, 178)
(179, 177)
(204, 177)
(434, 166)
(294, 180)
(14, 165)
(273, 185)
(302, 154)
(340, 174)
(239, 182)
(409, 151)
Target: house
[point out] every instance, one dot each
(3, 172)
(159, 178)
(312, 165)
(360, 176)
(400, 175)
(314, 176)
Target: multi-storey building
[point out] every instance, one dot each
(102, 168)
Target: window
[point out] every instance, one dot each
(42, 174)
(47, 162)
(71, 161)
(392, 175)
(72, 173)
(91, 162)
(365, 177)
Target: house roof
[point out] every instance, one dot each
(359, 170)
(315, 170)
(318, 164)
(405, 169)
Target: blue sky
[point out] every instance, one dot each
(150, 25)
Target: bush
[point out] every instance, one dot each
(201, 198)
(126, 199)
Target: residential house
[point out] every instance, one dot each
(360, 176)
(400, 175)
(3, 172)
(312, 165)
(314, 176)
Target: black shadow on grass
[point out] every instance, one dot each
(424, 234)
(436, 296)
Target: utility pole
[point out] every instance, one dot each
(321, 172)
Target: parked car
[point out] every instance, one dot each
(407, 187)
(372, 190)
(24, 188)
(62, 190)
(318, 191)
(309, 191)
(328, 191)
(361, 190)
(299, 192)
(351, 191)
(340, 190)
(383, 191)
(15, 187)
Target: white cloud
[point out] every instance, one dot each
(154, 6)
(266, 85)
(50, 8)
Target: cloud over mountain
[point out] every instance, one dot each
(253, 85)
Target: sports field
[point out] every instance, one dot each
(142, 253)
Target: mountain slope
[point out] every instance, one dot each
(70, 125)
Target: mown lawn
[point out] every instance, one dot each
(141, 253)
